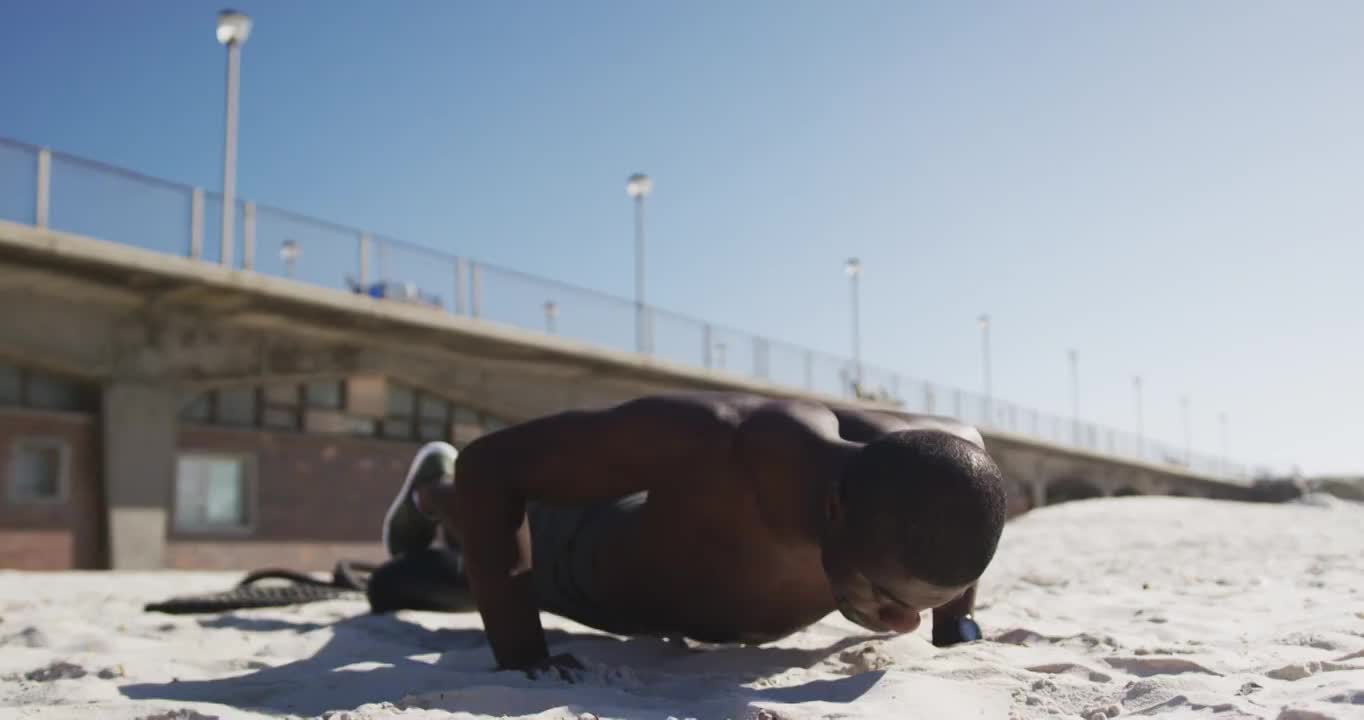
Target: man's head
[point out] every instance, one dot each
(912, 522)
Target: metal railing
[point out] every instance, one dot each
(45, 188)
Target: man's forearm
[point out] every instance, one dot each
(952, 623)
(497, 560)
(961, 606)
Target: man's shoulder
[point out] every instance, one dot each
(730, 407)
(739, 421)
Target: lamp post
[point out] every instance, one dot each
(289, 251)
(551, 314)
(853, 269)
(1226, 462)
(1074, 357)
(1141, 439)
(638, 186)
(984, 321)
(232, 31)
(1188, 430)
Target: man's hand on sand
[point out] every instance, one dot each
(953, 631)
(559, 667)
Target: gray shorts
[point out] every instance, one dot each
(564, 545)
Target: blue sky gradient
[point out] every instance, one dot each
(1171, 188)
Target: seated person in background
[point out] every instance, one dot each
(718, 517)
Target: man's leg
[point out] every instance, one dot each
(410, 523)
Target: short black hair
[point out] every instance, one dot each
(932, 497)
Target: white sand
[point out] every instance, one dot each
(1139, 606)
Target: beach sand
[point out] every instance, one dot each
(1146, 607)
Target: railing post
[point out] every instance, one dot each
(707, 347)
(43, 190)
(648, 329)
(928, 398)
(475, 290)
(228, 242)
(460, 271)
(248, 236)
(196, 224)
(364, 262)
(809, 370)
(760, 358)
(956, 404)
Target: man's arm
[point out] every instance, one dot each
(570, 458)
(953, 623)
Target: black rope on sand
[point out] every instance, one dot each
(348, 582)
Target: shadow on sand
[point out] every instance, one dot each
(373, 659)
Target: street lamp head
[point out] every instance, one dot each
(638, 185)
(984, 320)
(289, 250)
(551, 308)
(853, 267)
(233, 27)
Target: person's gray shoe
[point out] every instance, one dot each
(406, 528)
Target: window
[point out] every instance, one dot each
(28, 388)
(237, 406)
(37, 470)
(397, 429)
(51, 393)
(281, 395)
(467, 426)
(360, 426)
(401, 400)
(434, 421)
(11, 385)
(324, 394)
(280, 418)
(433, 408)
(430, 430)
(282, 410)
(200, 409)
(211, 492)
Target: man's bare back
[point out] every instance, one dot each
(745, 533)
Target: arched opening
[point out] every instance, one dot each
(1071, 489)
(1018, 498)
(1125, 492)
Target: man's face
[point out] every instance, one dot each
(878, 593)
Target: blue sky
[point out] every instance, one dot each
(1171, 188)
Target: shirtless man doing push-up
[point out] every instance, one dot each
(722, 518)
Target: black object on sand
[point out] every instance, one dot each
(431, 579)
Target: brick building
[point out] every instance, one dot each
(292, 474)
